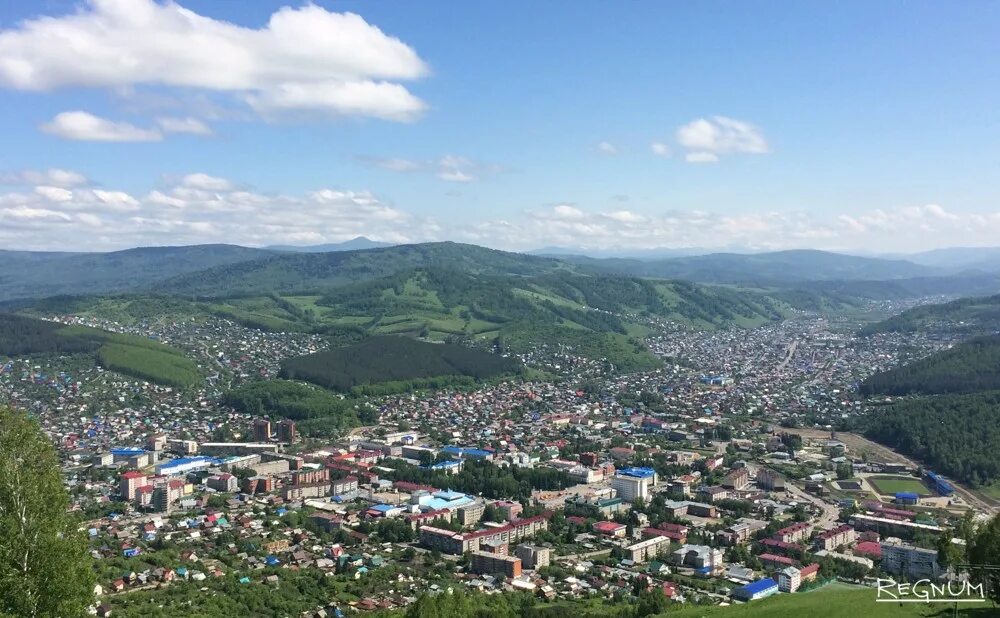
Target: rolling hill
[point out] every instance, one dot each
(775, 268)
(28, 274)
(310, 272)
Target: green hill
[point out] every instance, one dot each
(380, 360)
(968, 367)
(520, 303)
(135, 356)
(958, 435)
(311, 272)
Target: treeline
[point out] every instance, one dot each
(958, 435)
(21, 336)
(135, 356)
(390, 359)
(484, 478)
(313, 407)
(968, 367)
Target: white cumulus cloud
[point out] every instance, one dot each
(52, 177)
(191, 126)
(303, 59)
(706, 139)
(84, 126)
(660, 149)
(607, 148)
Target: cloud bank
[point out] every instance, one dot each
(304, 60)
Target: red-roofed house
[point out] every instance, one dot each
(610, 528)
(808, 573)
(773, 560)
(868, 548)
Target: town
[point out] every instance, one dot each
(721, 478)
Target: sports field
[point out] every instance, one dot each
(890, 485)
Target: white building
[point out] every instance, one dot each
(789, 579)
(632, 483)
(899, 558)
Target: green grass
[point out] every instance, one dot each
(831, 601)
(991, 491)
(160, 366)
(891, 485)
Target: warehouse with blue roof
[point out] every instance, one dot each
(183, 465)
(756, 590)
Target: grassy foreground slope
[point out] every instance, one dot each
(135, 356)
(833, 601)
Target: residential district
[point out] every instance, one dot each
(718, 479)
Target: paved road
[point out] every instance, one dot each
(828, 512)
(788, 355)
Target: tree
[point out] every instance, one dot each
(45, 569)
(985, 551)
(949, 553)
(651, 603)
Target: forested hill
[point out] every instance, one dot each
(307, 272)
(957, 435)
(968, 367)
(378, 360)
(971, 316)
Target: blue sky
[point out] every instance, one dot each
(850, 126)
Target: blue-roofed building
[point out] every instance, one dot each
(940, 485)
(272, 561)
(757, 590)
(452, 466)
(126, 452)
(183, 465)
(441, 500)
(384, 510)
(907, 497)
(638, 472)
(462, 452)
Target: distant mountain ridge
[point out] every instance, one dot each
(213, 270)
(779, 267)
(354, 244)
(39, 274)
